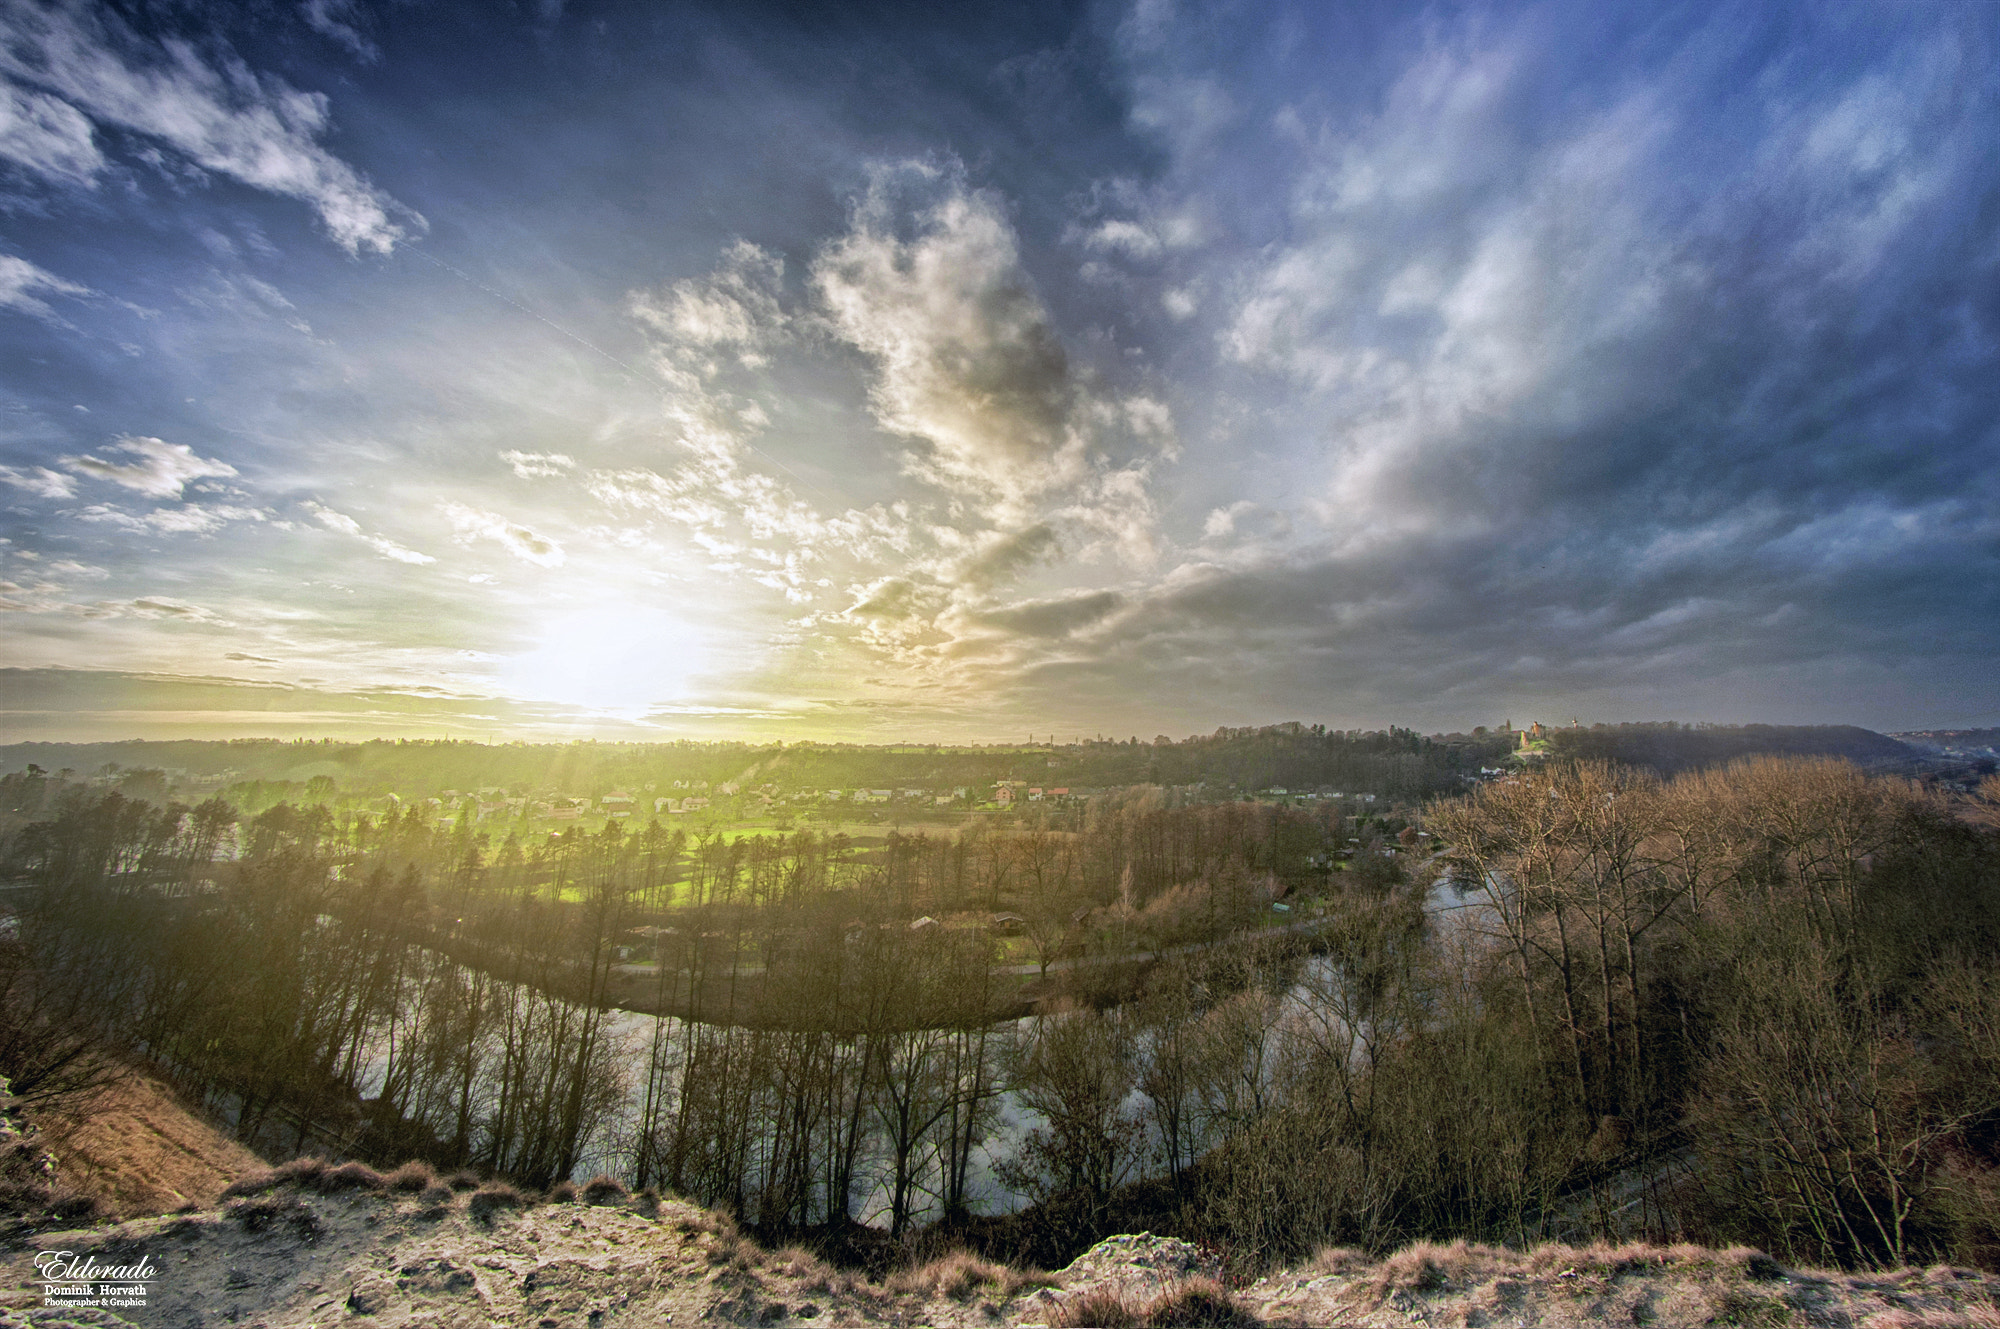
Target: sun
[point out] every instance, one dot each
(612, 658)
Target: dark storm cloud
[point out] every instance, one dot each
(1686, 370)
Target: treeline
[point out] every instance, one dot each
(1394, 762)
(1671, 748)
(1758, 1005)
(392, 987)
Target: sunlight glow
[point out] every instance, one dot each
(616, 659)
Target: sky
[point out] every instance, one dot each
(872, 372)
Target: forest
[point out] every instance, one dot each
(1393, 762)
(1753, 1003)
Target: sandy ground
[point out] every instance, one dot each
(294, 1257)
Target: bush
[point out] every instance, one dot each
(1099, 1308)
(350, 1177)
(958, 1274)
(412, 1176)
(465, 1179)
(563, 1192)
(1192, 1303)
(604, 1189)
(300, 1171)
(493, 1197)
(1196, 1303)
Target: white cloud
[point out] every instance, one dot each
(381, 544)
(189, 519)
(1123, 236)
(167, 608)
(336, 19)
(48, 136)
(967, 359)
(1221, 522)
(736, 307)
(477, 524)
(539, 465)
(224, 118)
(41, 481)
(159, 469)
(18, 278)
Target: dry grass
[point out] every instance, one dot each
(1432, 1267)
(958, 1274)
(604, 1189)
(563, 1192)
(735, 1251)
(1196, 1303)
(1099, 1308)
(1972, 1317)
(1340, 1260)
(138, 1150)
(710, 1222)
(813, 1273)
(1191, 1303)
(299, 1172)
(492, 1198)
(412, 1176)
(350, 1177)
(314, 1174)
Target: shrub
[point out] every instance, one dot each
(649, 1202)
(958, 1274)
(412, 1176)
(493, 1197)
(303, 1171)
(465, 1179)
(1099, 1308)
(733, 1249)
(1196, 1303)
(604, 1189)
(350, 1177)
(563, 1192)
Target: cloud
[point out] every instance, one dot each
(736, 308)
(539, 465)
(159, 469)
(339, 21)
(1057, 617)
(220, 115)
(999, 557)
(48, 137)
(477, 524)
(381, 544)
(967, 359)
(41, 481)
(188, 519)
(19, 278)
(166, 607)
